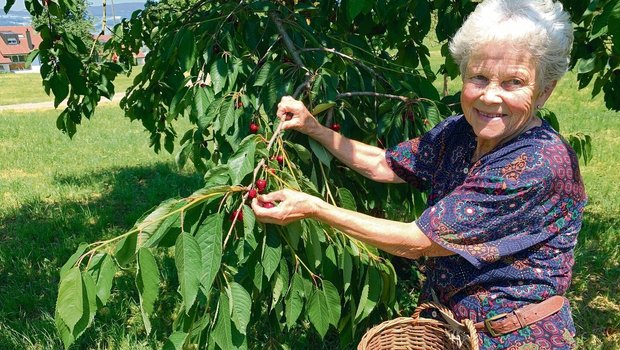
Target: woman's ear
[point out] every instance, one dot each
(545, 93)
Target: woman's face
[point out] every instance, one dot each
(499, 94)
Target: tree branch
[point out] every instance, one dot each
(375, 94)
(357, 61)
(290, 47)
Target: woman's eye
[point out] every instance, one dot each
(479, 79)
(513, 84)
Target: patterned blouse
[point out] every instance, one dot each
(512, 219)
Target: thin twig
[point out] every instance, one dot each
(103, 26)
(375, 94)
(338, 53)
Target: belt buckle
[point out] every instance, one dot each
(487, 323)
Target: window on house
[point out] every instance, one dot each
(11, 41)
(17, 59)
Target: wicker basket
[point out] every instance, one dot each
(419, 333)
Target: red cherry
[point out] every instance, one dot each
(252, 194)
(236, 213)
(261, 184)
(280, 159)
(267, 205)
(239, 104)
(254, 128)
(335, 127)
(288, 116)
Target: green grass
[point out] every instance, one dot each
(12, 87)
(56, 192)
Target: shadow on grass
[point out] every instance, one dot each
(595, 292)
(37, 238)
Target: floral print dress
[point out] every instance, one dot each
(512, 218)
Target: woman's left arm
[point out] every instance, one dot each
(397, 238)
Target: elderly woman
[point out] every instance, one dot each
(505, 196)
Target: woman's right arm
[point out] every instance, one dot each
(365, 159)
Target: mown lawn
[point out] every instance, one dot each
(28, 87)
(58, 192)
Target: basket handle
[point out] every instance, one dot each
(443, 311)
(466, 326)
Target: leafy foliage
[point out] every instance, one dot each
(223, 65)
(596, 52)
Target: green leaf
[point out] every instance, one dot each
(218, 175)
(8, 5)
(60, 87)
(31, 56)
(64, 332)
(294, 300)
(73, 259)
(347, 200)
(586, 65)
(302, 152)
(371, 293)
(264, 73)
(69, 304)
(314, 251)
(189, 265)
(322, 108)
(89, 293)
(587, 149)
(175, 341)
(355, 7)
(218, 75)
(347, 269)
(332, 298)
(187, 49)
(200, 106)
(614, 24)
(125, 249)
(241, 306)
(294, 231)
(222, 332)
(209, 238)
(318, 312)
(228, 119)
(277, 286)
(156, 225)
(242, 162)
(103, 273)
(249, 219)
(272, 252)
(320, 152)
(213, 111)
(147, 282)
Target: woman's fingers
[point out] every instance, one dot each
(282, 207)
(293, 114)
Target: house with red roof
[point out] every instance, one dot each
(16, 42)
(138, 57)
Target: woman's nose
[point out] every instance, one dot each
(491, 94)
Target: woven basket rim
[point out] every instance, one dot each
(397, 327)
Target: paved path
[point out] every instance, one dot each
(50, 104)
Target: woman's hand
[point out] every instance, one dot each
(289, 206)
(294, 115)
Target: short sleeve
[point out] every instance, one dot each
(416, 160)
(494, 213)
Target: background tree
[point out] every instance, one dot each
(76, 21)
(362, 67)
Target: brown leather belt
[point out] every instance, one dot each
(521, 317)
